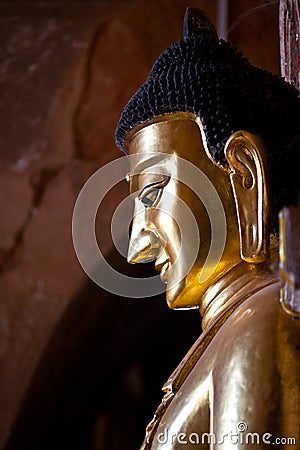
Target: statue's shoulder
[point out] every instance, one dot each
(249, 351)
(251, 335)
(261, 309)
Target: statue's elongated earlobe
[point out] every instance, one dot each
(244, 152)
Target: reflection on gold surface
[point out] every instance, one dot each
(242, 375)
(155, 230)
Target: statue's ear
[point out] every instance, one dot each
(244, 153)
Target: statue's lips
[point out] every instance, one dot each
(163, 268)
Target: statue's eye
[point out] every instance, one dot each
(151, 193)
(151, 198)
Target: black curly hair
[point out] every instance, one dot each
(208, 77)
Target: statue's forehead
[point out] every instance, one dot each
(163, 133)
(158, 144)
(150, 161)
(149, 167)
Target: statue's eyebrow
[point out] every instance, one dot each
(130, 177)
(157, 184)
(154, 160)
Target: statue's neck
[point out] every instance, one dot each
(237, 284)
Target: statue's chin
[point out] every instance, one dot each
(175, 295)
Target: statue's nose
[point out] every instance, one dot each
(142, 248)
(143, 244)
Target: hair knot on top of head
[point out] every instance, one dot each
(197, 24)
(208, 77)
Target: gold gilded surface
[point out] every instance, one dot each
(155, 227)
(248, 372)
(245, 154)
(238, 387)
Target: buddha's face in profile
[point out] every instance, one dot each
(173, 224)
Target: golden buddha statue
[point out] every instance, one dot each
(238, 126)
